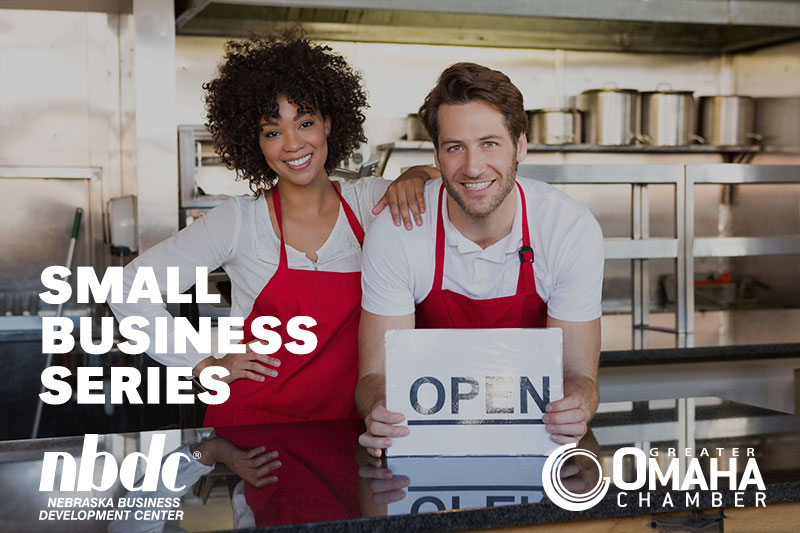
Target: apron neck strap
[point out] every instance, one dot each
(355, 225)
(438, 273)
(276, 203)
(526, 284)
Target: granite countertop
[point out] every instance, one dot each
(328, 483)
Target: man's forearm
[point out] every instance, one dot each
(370, 389)
(585, 387)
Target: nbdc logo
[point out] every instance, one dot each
(560, 495)
(81, 478)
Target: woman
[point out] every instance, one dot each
(283, 112)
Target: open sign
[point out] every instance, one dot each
(473, 391)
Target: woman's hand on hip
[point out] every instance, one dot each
(248, 365)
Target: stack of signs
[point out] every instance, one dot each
(473, 391)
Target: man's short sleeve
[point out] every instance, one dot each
(578, 273)
(386, 277)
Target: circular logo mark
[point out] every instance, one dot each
(560, 495)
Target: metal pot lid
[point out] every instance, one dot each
(609, 90)
(668, 91)
(567, 110)
(727, 96)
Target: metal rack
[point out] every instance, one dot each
(640, 247)
(414, 146)
(731, 174)
(683, 247)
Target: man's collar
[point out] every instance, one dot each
(496, 252)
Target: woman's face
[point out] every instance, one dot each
(295, 145)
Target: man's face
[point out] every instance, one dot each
(477, 156)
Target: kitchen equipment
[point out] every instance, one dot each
(554, 126)
(76, 228)
(415, 131)
(611, 116)
(668, 117)
(727, 120)
(122, 225)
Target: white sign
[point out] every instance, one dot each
(473, 391)
(451, 483)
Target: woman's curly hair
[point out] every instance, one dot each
(249, 80)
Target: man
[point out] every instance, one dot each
(493, 251)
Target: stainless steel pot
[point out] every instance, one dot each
(554, 126)
(611, 116)
(727, 120)
(415, 131)
(667, 117)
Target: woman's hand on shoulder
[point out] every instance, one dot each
(405, 194)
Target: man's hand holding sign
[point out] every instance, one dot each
(494, 252)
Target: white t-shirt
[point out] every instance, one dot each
(238, 236)
(398, 266)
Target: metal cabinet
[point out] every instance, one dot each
(683, 247)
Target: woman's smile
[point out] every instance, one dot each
(294, 143)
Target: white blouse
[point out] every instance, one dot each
(238, 236)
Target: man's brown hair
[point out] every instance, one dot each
(462, 83)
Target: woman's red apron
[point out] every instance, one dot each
(317, 386)
(316, 482)
(447, 309)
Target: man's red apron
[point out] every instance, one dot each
(448, 309)
(317, 386)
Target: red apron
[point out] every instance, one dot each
(445, 309)
(318, 478)
(317, 386)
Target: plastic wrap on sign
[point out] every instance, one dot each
(473, 391)
(452, 483)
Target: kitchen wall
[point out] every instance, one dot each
(62, 110)
(66, 100)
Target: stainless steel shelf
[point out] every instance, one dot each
(745, 246)
(422, 146)
(641, 249)
(683, 247)
(603, 174)
(736, 174)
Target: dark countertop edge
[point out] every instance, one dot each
(613, 358)
(704, 354)
(533, 514)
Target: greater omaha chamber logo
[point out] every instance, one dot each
(650, 474)
(554, 487)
